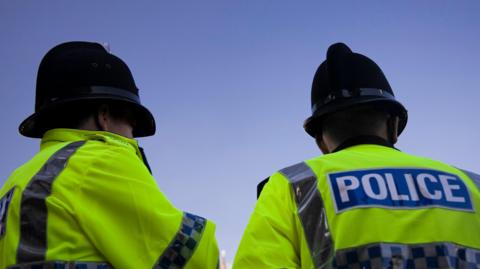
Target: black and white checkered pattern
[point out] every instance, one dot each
(418, 256)
(62, 265)
(4, 203)
(184, 243)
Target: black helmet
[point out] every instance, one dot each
(348, 79)
(82, 72)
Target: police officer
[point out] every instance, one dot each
(363, 204)
(87, 198)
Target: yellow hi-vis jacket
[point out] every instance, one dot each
(87, 200)
(366, 206)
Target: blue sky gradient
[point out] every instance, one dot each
(229, 82)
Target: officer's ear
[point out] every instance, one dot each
(102, 119)
(392, 128)
(321, 144)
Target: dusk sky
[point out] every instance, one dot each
(229, 83)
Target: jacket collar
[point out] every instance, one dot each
(70, 135)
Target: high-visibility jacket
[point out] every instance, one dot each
(87, 200)
(366, 206)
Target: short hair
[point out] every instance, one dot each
(355, 121)
(73, 116)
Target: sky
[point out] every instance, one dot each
(229, 83)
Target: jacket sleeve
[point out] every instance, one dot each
(131, 222)
(270, 239)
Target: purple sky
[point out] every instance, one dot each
(229, 82)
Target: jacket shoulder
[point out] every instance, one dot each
(473, 176)
(293, 173)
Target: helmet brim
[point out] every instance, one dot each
(314, 123)
(32, 126)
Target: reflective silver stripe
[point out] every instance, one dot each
(311, 212)
(417, 256)
(473, 176)
(4, 204)
(100, 91)
(33, 209)
(114, 91)
(349, 93)
(61, 265)
(183, 245)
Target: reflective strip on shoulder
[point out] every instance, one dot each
(417, 256)
(311, 212)
(61, 265)
(183, 245)
(4, 205)
(473, 176)
(261, 185)
(33, 208)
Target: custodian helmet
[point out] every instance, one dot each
(346, 79)
(81, 72)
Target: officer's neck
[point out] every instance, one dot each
(108, 124)
(362, 140)
(386, 135)
(328, 145)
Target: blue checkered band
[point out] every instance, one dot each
(62, 265)
(4, 203)
(417, 256)
(183, 245)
